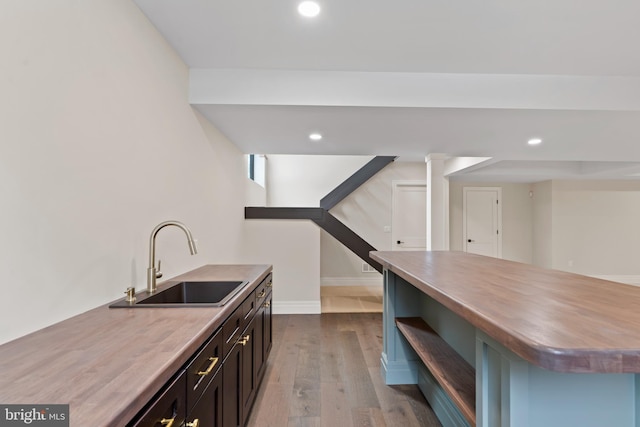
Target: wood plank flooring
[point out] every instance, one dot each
(324, 371)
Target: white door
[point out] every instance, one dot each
(482, 221)
(409, 216)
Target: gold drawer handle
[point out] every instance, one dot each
(214, 362)
(244, 340)
(167, 422)
(195, 423)
(267, 304)
(262, 294)
(269, 284)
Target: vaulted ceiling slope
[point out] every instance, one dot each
(413, 77)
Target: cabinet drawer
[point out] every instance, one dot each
(207, 412)
(231, 330)
(248, 310)
(263, 290)
(261, 293)
(203, 368)
(169, 405)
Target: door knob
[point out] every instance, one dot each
(470, 241)
(399, 242)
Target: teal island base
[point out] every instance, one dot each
(509, 391)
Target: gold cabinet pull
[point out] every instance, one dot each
(214, 362)
(266, 304)
(195, 423)
(262, 294)
(244, 340)
(167, 422)
(269, 284)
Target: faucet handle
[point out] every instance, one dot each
(131, 294)
(158, 272)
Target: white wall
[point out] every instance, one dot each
(301, 181)
(517, 219)
(292, 246)
(97, 145)
(596, 227)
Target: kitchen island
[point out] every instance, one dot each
(108, 365)
(548, 348)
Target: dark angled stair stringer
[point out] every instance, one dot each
(349, 238)
(361, 176)
(324, 219)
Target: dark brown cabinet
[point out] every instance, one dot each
(249, 373)
(217, 387)
(239, 379)
(168, 408)
(244, 366)
(231, 386)
(263, 330)
(258, 344)
(268, 329)
(204, 385)
(207, 412)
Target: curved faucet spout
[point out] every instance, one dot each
(152, 272)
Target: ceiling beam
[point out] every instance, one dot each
(426, 90)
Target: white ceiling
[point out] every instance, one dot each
(413, 77)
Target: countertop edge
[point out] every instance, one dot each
(566, 360)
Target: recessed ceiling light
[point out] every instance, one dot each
(309, 9)
(315, 136)
(534, 141)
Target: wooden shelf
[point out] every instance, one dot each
(453, 373)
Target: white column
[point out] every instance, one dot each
(437, 204)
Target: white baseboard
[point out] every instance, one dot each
(352, 281)
(296, 307)
(628, 279)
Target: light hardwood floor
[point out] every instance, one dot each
(351, 299)
(324, 370)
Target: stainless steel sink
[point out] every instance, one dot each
(189, 294)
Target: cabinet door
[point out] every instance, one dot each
(249, 374)
(231, 387)
(166, 409)
(258, 349)
(267, 330)
(203, 368)
(208, 410)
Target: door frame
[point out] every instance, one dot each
(464, 215)
(395, 184)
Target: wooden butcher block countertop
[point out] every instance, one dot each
(556, 320)
(108, 363)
